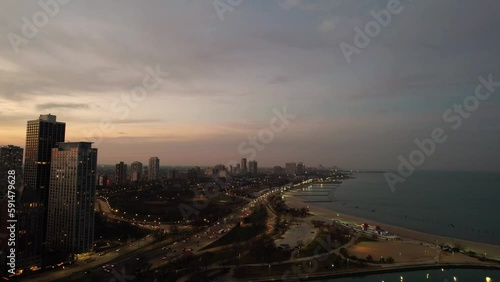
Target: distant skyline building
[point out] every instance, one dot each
(301, 169)
(154, 168)
(291, 168)
(121, 173)
(194, 172)
(220, 167)
(252, 167)
(209, 170)
(70, 224)
(244, 168)
(172, 173)
(11, 158)
(277, 170)
(136, 171)
(42, 135)
(102, 180)
(145, 172)
(222, 173)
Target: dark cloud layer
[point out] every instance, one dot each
(227, 76)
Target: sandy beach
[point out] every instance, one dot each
(407, 235)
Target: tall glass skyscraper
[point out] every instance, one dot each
(42, 135)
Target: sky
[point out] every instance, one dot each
(221, 73)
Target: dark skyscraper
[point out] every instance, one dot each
(121, 173)
(42, 135)
(244, 168)
(136, 171)
(70, 223)
(252, 167)
(154, 168)
(301, 168)
(291, 168)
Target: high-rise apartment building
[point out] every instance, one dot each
(145, 172)
(252, 167)
(291, 169)
(244, 168)
(154, 168)
(301, 168)
(193, 172)
(136, 171)
(121, 173)
(172, 173)
(42, 135)
(70, 222)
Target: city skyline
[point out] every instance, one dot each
(214, 83)
(239, 140)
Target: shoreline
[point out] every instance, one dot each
(320, 213)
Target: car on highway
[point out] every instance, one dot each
(108, 267)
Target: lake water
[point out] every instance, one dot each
(463, 205)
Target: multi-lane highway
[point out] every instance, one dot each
(122, 263)
(126, 259)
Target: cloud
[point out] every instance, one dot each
(290, 3)
(308, 5)
(279, 79)
(60, 106)
(328, 25)
(130, 121)
(226, 78)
